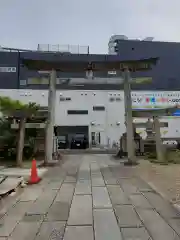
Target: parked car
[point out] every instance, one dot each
(79, 141)
(62, 142)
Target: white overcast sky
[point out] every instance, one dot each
(25, 23)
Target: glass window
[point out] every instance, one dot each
(98, 108)
(23, 82)
(77, 112)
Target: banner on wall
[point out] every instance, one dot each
(146, 101)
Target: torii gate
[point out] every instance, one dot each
(53, 62)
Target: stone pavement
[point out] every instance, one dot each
(89, 197)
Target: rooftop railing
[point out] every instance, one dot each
(69, 49)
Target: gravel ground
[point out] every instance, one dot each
(166, 178)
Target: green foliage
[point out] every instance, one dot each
(5, 133)
(8, 141)
(172, 156)
(8, 138)
(9, 106)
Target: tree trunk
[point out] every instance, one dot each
(20, 147)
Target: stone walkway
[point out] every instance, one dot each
(90, 197)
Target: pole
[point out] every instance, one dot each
(51, 116)
(129, 118)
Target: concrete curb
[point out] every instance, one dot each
(176, 206)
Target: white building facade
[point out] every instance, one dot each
(100, 111)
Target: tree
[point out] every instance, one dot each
(16, 109)
(7, 138)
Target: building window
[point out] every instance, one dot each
(23, 82)
(64, 99)
(98, 108)
(77, 112)
(38, 81)
(68, 99)
(111, 99)
(111, 72)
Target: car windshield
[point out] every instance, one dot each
(61, 138)
(79, 136)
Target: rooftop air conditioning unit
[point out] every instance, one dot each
(149, 39)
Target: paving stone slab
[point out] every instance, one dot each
(97, 180)
(70, 179)
(94, 167)
(111, 181)
(72, 173)
(108, 177)
(156, 225)
(39, 207)
(51, 230)
(65, 193)
(55, 184)
(117, 195)
(143, 186)
(84, 174)
(105, 225)
(140, 201)
(48, 195)
(19, 209)
(78, 232)
(33, 217)
(161, 205)
(59, 211)
(127, 216)
(135, 234)
(175, 224)
(10, 201)
(81, 210)
(30, 194)
(83, 188)
(7, 225)
(82, 178)
(128, 187)
(25, 231)
(101, 197)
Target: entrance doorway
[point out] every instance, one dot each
(95, 139)
(68, 133)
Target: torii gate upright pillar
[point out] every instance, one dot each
(51, 117)
(129, 118)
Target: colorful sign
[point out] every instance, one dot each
(154, 102)
(177, 113)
